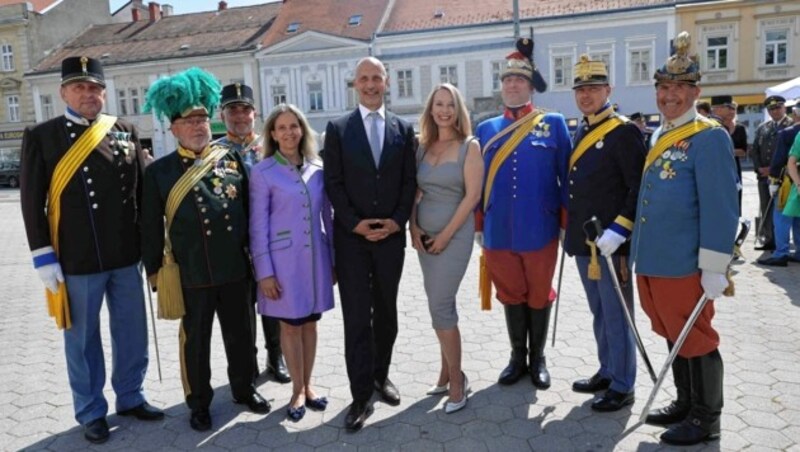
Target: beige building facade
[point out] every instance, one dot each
(744, 46)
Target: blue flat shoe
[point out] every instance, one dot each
(296, 414)
(318, 404)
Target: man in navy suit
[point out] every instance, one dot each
(370, 178)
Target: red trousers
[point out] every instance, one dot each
(523, 277)
(669, 302)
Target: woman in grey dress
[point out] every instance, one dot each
(449, 178)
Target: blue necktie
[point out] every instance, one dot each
(374, 137)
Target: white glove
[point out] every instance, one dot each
(609, 242)
(773, 188)
(479, 238)
(713, 284)
(51, 275)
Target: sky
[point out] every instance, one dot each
(191, 6)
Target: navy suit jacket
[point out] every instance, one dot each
(357, 188)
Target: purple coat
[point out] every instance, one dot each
(290, 224)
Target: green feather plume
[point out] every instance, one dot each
(168, 97)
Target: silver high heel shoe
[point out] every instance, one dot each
(452, 407)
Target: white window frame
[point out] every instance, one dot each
(48, 110)
(7, 52)
(717, 50)
(776, 44)
(316, 97)
(644, 77)
(495, 73)
(351, 95)
(404, 80)
(448, 73)
(122, 102)
(133, 95)
(13, 108)
(278, 94)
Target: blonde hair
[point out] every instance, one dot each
(307, 145)
(429, 131)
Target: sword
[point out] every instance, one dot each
(153, 321)
(673, 353)
(759, 236)
(558, 293)
(628, 318)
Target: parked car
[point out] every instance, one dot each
(9, 174)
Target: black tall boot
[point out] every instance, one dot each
(517, 324)
(276, 366)
(703, 422)
(538, 321)
(678, 409)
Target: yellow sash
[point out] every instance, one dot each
(593, 137)
(170, 293)
(58, 303)
(673, 136)
(523, 127)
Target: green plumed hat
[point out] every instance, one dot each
(183, 93)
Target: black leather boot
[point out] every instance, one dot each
(677, 410)
(538, 321)
(517, 324)
(703, 422)
(276, 366)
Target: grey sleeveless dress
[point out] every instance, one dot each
(443, 189)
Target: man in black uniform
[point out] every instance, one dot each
(764, 145)
(207, 235)
(610, 152)
(239, 115)
(80, 185)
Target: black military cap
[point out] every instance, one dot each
(725, 101)
(237, 93)
(774, 101)
(82, 69)
(636, 116)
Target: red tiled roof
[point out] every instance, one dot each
(205, 33)
(410, 15)
(327, 16)
(38, 5)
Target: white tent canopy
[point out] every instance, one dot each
(789, 89)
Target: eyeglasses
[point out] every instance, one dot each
(194, 121)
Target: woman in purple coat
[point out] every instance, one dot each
(290, 222)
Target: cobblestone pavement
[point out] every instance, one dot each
(760, 329)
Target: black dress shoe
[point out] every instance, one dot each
(255, 403)
(143, 412)
(690, 432)
(612, 401)
(592, 384)
(671, 414)
(96, 431)
(780, 261)
(540, 377)
(200, 420)
(356, 415)
(276, 366)
(388, 392)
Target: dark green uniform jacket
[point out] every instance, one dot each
(209, 232)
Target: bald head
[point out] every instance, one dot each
(371, 82)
